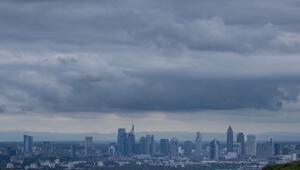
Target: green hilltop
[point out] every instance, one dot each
(288, 166)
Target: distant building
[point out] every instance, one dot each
(198, 145)
(121, 141)
(251, 145)
(240, 138)
(214, 150)
(237, 148)
(277, 149)
(46, 148)
(297, 151)
(265, 150)
(28, 145)
(147, 145)
(187, 148)
(151, 143)
(88, 146)
(174, 148)
(130, 143)
(164, 146)
(229, 139)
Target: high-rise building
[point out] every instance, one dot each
(251, 145)
(214, 150)
(240, 138)
(164, 146)
(88, 146)
(198, 145)
(229, 139)
(28, 145)
(143, 145)
(297, 151)
(277, 149)
(188, 148)
(265, 150)
(147, 145)
(174, 148)
(121, 141)
(46, 148)
(130, 143)
(150, 145)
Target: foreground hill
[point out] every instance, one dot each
(288, 166)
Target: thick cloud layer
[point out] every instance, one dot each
(173, 55)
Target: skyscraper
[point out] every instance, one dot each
(198, 144)
(164, 146)
(143, 145)
(241, 140)
(214, 150)
(174, 148)
(188, 147)
(251, 145)
(122, 141)
(265, 150)
(277, 149)
(229, 139)
(130, 143)
(88, 146)
(28, 145)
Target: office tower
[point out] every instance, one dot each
(130, 142)
(73, 150)
(229, 139)
(147, 145)
(265, 150)
(88, 146)
(214, 150)
(297, 151)
(46, 148)
(240, 138)
(112, 151)
(251, 145)
(174, 148)
(198, 145)
(237, 148)
(122, 141)
(28, 145)
(277, 149)
(188, 148)
(150, 145)
(142, 145)
(164, 146)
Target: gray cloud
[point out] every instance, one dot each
(103, 56)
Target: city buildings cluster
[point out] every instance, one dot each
(238, 149)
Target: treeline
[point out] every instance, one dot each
(288, 166)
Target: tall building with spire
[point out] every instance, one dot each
(130, 148)
(198, 145)
(229, 139)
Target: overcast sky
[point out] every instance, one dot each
(171, 65)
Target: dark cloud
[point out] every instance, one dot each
(102, 56)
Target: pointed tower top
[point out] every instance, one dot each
(132, 128)
(229, 128)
